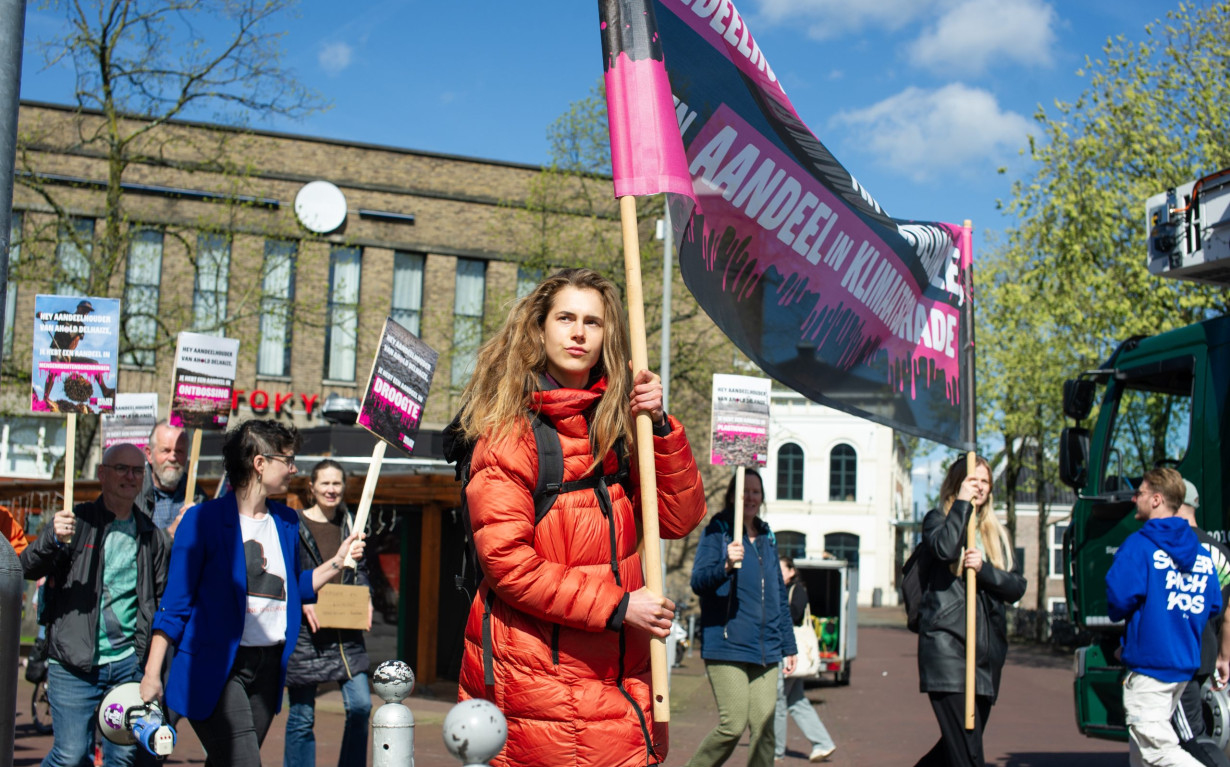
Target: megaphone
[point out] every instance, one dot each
(125, 719)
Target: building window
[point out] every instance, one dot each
(842, 546)
(467, 318)
(843, 473)
(277, 304)
(407, 308)
(527, 280)
(213, 267)
(341, 334)
(791, 544)
(1057, 533)
(74, 246)
(10, 296)
(790, 472)
(140, 306)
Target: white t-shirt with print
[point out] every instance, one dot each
(265, 622)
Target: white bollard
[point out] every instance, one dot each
(393, 723)
(475, 731)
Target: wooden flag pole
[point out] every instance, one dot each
(737, 533)
(971, 606)
(971, 465)
(369, 490)
(644, 452)
(70, 461)
(194, 457)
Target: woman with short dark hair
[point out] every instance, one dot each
(233, 584)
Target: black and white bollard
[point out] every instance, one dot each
(393, 723)
(475, 731)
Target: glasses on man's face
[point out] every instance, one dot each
(289, 460)
(125, 469)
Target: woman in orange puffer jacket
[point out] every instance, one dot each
(558, 635)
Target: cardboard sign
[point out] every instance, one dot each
(397, 388)
(205, 369)
(342, 607)
(740, 434)
(76, 354)
(134, 418)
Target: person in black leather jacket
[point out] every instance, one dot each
(941, 634)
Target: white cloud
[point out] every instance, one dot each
(976, 33)
(923, 133)
(825, 19)
(334, 57)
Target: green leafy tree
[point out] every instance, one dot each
(1071, 280)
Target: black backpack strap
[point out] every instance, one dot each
(550, 467)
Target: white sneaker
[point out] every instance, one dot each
(820, 753)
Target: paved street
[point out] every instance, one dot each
(880, 719)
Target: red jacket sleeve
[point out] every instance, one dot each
(681, 494)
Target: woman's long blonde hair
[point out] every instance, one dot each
(994, 535)
(506, 374)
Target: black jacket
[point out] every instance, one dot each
(329, 655)
(796, 593)
(74, 576)
(941, 633)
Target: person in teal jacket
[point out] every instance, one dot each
(746, 629)
(233, 599)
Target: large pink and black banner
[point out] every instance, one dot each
(790, 256)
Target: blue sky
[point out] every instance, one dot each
(922, 100)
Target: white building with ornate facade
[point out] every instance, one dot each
(838, 484)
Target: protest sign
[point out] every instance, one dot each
(76, 354)
(134, 418)
(740, 435)
(205, 368)
(397, 388)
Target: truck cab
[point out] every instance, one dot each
(1161, 401)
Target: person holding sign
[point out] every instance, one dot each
(233, 584)
(746, 629)
(941, 630)
(166, 481)
(327, 654)
(558, 634)
(106, 566)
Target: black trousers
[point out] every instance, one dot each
(957, 746)
(1188, 722)
(233, 733)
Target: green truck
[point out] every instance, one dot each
(1161, 401)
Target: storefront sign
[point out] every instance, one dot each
(275, 403)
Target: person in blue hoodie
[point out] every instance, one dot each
(1164, 585)
(745, 627)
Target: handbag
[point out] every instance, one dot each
(808, 660)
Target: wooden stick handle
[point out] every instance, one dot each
(740, 478)
(971, 606)
(194, 458)
(369, 490)
(644, 453)
(70, 461)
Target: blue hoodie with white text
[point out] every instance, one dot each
(1164, 583)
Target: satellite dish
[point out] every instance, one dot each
(320, 206)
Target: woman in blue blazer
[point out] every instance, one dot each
(233, 598)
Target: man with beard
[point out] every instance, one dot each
(162, 497)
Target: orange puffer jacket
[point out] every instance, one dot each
(574, 691)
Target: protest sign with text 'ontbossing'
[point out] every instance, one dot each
(205, 368)
(401, 377)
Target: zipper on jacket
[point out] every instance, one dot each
(764, 657)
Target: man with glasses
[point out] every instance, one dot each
(162, 494)
(106, 565)
(1163, 583)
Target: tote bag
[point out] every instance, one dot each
(808, 662)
